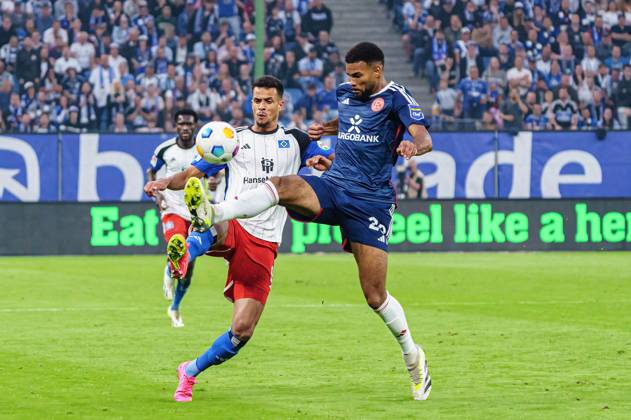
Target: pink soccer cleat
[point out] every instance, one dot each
(178, 256)
(184, 391)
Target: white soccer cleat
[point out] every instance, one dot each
(419, 373)
(176, 318)
(168, 284)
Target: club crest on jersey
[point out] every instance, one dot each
(377, 105)
(283, 144)
(267, 165)
(415, 112)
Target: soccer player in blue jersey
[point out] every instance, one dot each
(356, 193)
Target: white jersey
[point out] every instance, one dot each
(173, 159)
(260, 157)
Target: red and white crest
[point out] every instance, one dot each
(377, 105)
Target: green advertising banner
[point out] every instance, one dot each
(437, 225)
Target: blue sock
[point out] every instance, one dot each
(199, 243)
(225, 347)
(180, 291)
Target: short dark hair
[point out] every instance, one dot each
(185, 111)
(269, 82)
(365, 51)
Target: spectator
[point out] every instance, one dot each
(203, 101)
(325, 47)
(621, 32)
(102, 77)
(563, 111)
(439, 51)
(585, 120)
(473, 91)
(54, 32)
(609, 120)
(44, 18)
(28, 64)
(327, 98)
(590, 63)
(519, 77)
(83, 51)
(446, 97)
(308, 104)
(228, 12)
(623, 98)
(65, 62)
(616, 61)
(513, 111)
(494, 73)
(9, 53)
(537, 120)
(119, 126)
(310, 68)
(502, 32)
(7, 30)
(318, 18)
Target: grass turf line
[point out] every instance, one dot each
(508, 335)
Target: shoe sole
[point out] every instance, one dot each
(426, 384)
(194, 198)
(176, 249)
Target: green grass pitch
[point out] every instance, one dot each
(508, 336)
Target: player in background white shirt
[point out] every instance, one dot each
(171, 157)
(250, 245)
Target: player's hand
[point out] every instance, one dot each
(152, 187)
(319, 163)
(407, 149)
(315, 131)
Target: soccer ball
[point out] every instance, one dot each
(216, 142)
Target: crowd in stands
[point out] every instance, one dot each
(527, 64)
(129, 65)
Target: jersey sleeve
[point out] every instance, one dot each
(208, 169)
(314, 149)
(157, 160)
(308, 148)
(407, 110)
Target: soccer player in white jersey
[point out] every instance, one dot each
(174, 156)
(250, 245)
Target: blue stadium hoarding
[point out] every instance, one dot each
(110, 167)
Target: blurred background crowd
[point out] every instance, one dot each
(128, 65)
(527, 64)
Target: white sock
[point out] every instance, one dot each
(392, 314)
(248, 204)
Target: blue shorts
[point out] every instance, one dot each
(360, 221)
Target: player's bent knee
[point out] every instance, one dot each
(375, 299)
(243, 329)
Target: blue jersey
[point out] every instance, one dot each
(369, 133)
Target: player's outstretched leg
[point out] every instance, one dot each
(182, 254)
(373, 264)
(246, 314)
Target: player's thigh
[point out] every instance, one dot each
(297, 195)
(372, 266)
(245, 315)
(172, 224)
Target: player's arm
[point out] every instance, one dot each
(159, 197)
(155, 164)
(328, 128)
(174, 182)
(421, 142)
(409, 114)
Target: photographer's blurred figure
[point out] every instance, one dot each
(415, 182)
